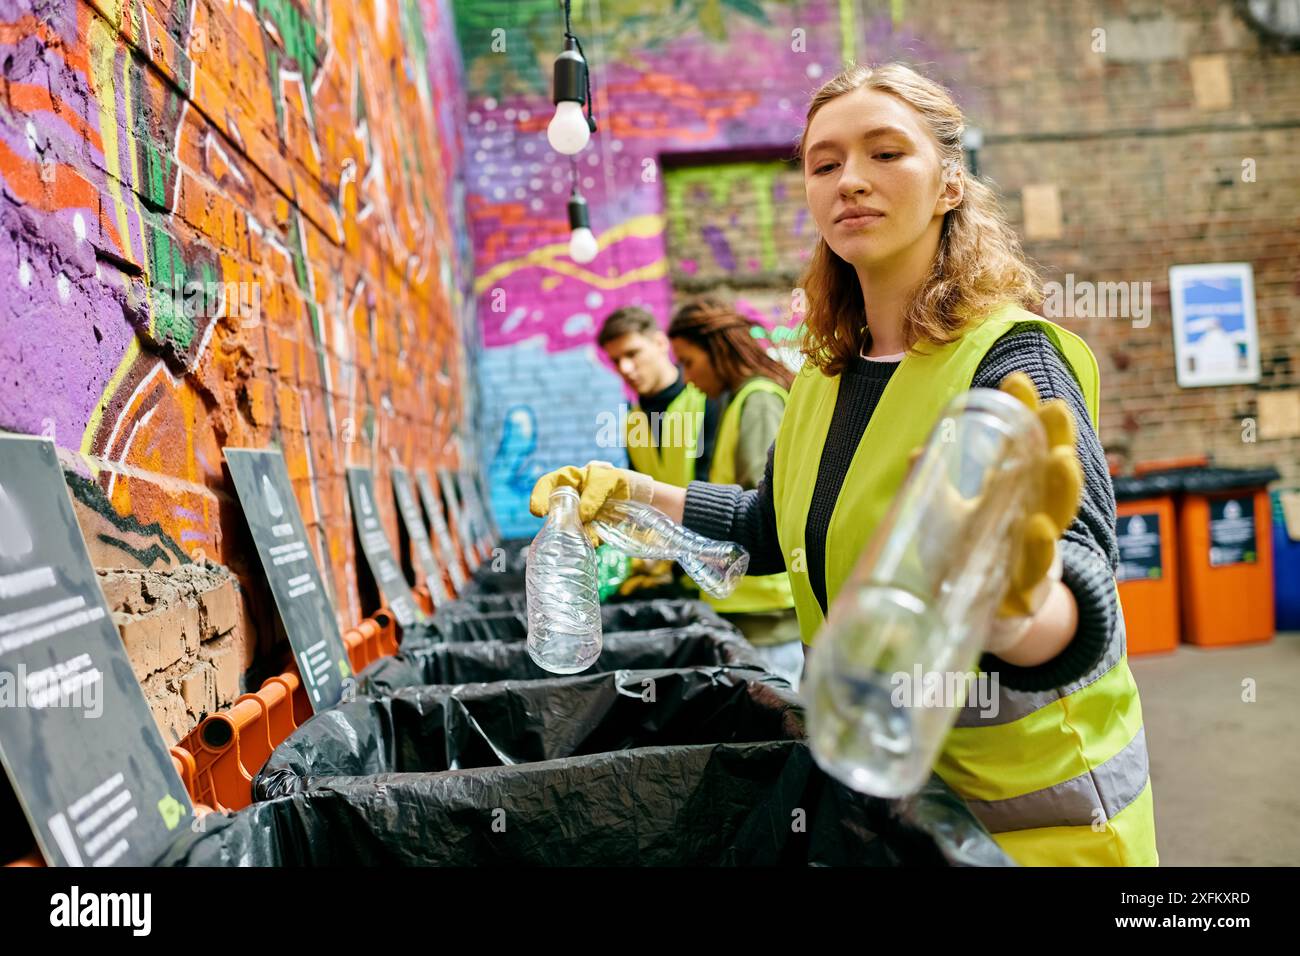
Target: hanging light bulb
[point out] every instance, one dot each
(569, 130)
(582, 241)
(582, 246)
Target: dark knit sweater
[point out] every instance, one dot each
(1088, 548)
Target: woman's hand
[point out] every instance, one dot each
(596, 482)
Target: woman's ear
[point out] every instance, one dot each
(954, 187)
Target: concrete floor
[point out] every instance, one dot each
(1225, 773)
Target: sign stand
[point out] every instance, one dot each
(414, 536)
(382, 563)
(77, 739)
(459, 521)
(438, 521)
(266, 496)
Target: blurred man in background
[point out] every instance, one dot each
(670, 430)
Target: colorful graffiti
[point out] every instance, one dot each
(230, 223)
(670, 78)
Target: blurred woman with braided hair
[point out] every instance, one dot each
(720, 357)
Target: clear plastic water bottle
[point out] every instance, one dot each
(640, 531)
(893, 665)
(564, 635)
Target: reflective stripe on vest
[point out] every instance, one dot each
(1070, 767)
(767, 592)
(672, 458)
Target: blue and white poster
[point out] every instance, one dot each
(1215, 338)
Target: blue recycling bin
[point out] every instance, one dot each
(1286, 562)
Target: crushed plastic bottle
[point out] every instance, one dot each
(641, 531)
(564, 633)
(892, 667)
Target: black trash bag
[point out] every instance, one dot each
(465, 662)
(485, 603)
(493, 583)
(460, 623)
(470, 603)
(447, 626)
(452, 727)
(495, 576)
(728, 804)
(652, 615)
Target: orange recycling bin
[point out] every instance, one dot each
(1146, 532)
(1226, 556)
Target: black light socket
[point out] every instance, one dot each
(578, 218)
(570, 77)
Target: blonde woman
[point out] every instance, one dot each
(918, 290)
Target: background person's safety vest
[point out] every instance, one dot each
(680, 425)
(1059, 777)
(766, 592)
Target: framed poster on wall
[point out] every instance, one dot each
(1216, 341)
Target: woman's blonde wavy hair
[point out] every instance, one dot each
(979, 264)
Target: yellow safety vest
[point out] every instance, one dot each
(766, 592)
(1059, 777)
(672, 460)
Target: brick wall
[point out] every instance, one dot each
(1139, 146)
(226, 227)
(1142, 145)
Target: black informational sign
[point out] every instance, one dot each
(77, 739)
(485, 496)
(1232, 531)
(459, 519)
(393, 589)
(1139, 547)
(441, 533)
(265, 494)
(474, 504)
(408, 510)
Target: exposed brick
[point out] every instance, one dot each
(223, 654)
(141, 634)
(169, 711)
(199, 689)
(221, 607)
(181, 635)
(121, 590)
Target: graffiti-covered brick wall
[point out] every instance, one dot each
(1114, 131)
(227, 224)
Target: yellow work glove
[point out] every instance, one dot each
(1035, 562)
(595, 482)
(647, 575)
(1036, 566)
